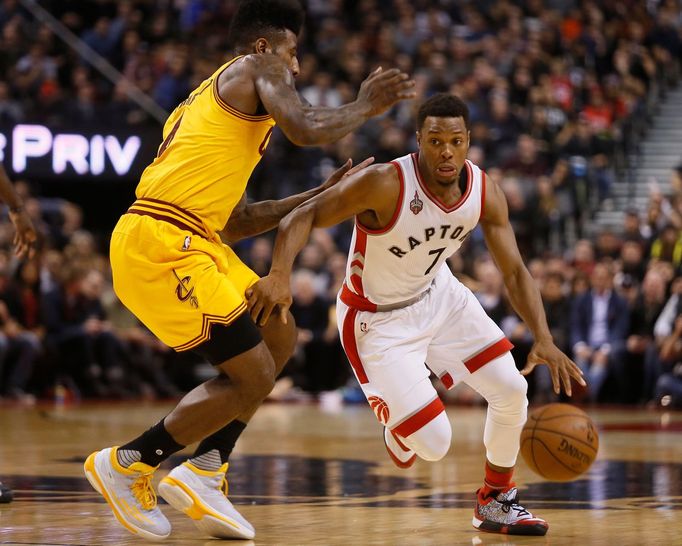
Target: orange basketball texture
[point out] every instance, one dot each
(559, 442)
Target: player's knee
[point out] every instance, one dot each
(255, 377)
(432, 441)
(508, 390)
(280, 339)
(262, 380)
(518, 390)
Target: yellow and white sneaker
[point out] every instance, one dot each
(202, 495)
(129, 493)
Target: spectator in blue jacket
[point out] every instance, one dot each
(599, 325)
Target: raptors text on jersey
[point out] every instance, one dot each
(399, 262)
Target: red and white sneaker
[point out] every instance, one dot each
(402, 456)
(502, 513)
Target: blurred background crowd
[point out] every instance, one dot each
(561, 93)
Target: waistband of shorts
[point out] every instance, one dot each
(172, 214)
(353, 300)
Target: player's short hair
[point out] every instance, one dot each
(443, 105)
(259, 18)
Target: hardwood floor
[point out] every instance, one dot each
(312, 475)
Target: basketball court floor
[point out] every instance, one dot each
(319, 475)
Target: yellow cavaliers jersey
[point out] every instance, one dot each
(208, 152)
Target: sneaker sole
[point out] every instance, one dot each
(184, 499)
(98, 485)
(535, 529)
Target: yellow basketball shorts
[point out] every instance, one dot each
(175, 281)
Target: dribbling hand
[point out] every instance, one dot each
(561, 368)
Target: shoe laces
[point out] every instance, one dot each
(512, 502)
(143, 491)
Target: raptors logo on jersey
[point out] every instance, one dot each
(399, 262)
(416, 205)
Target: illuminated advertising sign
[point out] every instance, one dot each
(37, 151)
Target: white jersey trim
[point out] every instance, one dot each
(396, 213)
(442, 206)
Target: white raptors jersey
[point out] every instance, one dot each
(399, 262)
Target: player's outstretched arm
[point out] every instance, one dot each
(250, 219)
(311, 126)
(523, 292)
(373, 191)
(25, 234)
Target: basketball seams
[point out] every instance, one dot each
(532, 446)
(553, 425)
(581, 415)
(533, 466)
(562, 463)
(564, 435)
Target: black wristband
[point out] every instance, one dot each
(20, 208)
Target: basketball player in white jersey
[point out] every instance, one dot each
(402, 312)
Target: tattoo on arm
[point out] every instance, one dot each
(303, 125)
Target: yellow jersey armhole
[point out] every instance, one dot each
(226, 107)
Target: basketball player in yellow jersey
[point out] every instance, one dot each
(171, 269)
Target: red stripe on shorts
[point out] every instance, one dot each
(489, 353)
(418, 420)
(351, 347)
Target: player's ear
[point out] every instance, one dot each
(262, 46)
(419, 139)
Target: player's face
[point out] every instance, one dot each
(286, 49)
(443, 146)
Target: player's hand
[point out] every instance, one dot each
(345, 171)
(561, 368)
(25, 234)
(383, 88)
(267, 294)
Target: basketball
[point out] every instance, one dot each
(559, 442)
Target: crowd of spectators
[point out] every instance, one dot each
(560, 93)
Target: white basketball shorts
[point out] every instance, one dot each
(391, 353)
